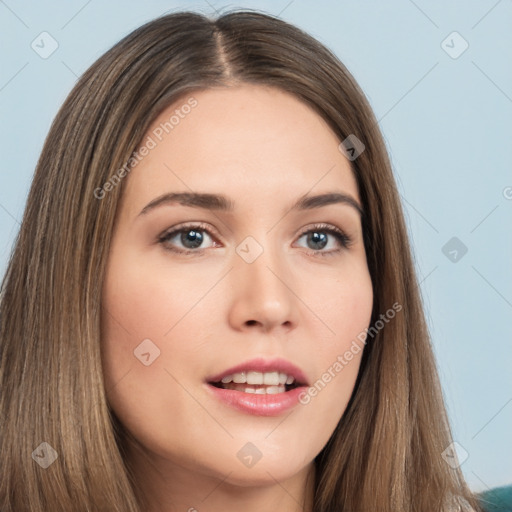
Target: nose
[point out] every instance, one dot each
(262, 295)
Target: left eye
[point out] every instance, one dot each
(319, 239)
(192, 237)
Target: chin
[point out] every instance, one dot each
(248, 467)
(260, 474)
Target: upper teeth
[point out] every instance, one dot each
(268, 378)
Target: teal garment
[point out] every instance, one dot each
(496, 500)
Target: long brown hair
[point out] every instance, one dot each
(385, 453)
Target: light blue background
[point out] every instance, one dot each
(447, 124)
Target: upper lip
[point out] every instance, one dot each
(264, 365)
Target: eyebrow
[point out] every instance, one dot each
(219, 202)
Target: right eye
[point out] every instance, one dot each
(191, 237)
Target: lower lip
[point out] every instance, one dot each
(258, 404)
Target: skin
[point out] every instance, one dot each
(210, 310)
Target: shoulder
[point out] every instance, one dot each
(498, 499)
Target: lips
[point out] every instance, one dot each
(260, 376)
(259, 387)
(258, 382)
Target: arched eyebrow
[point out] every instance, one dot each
(310, 202)
(220, 202)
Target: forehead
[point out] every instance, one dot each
(250, 139)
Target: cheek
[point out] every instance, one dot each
(148, 299)
(135, 309)
(345, 307)
(145, 319)
(343, 302)
(354, 306)
(144, 326)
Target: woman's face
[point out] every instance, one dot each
(243, 277)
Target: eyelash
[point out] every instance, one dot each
(344, 240)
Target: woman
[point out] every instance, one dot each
(211, 303)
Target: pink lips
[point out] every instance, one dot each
(262, 365)
(260, 404)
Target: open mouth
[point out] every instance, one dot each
(269, 383)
